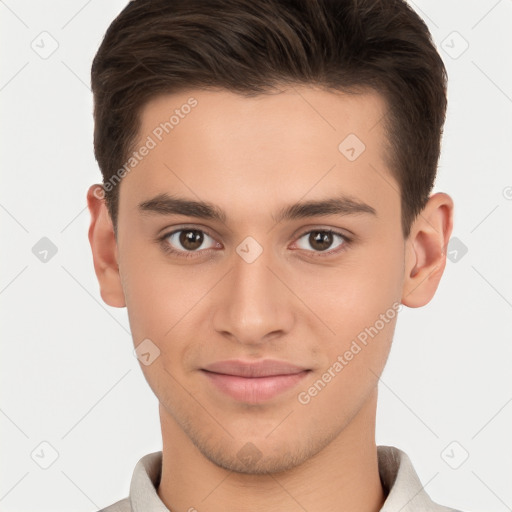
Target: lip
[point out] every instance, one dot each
(254, 382)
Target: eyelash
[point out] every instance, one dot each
(193, 254)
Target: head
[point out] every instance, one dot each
(217, 117)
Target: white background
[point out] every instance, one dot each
(68, 374)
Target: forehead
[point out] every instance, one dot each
(305, 111)
(235, 150)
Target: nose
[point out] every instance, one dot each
(253, 304)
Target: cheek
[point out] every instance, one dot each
(353, 295)
(162, 300)
(360, 304)
(159, 309)
(362, 311)
(152, 294)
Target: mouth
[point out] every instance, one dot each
(254, 382)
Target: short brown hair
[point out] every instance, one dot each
(251, 46)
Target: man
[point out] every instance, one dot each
(264, 215)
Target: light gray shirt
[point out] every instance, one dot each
(399, 479)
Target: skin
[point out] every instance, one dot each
(251, 157)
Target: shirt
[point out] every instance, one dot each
(400, 482)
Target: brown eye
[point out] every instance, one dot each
(191, 239)
(187, 241)
(322, 240)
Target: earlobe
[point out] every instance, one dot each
(425, 257)
(104, 249)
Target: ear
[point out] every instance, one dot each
(425, 250)
(104, 248)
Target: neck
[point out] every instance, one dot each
(342, 476)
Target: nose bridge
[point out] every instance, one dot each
(253, 302)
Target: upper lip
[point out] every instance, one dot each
(262, 368)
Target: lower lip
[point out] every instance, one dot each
(254, 389)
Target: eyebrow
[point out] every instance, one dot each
(164, 204)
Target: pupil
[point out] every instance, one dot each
(191, 239)
(320, 240)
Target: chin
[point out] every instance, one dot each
(252, 459)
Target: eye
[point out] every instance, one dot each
(192, 242)
(187, 241)
(321, 240)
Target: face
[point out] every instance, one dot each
(312, 290)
